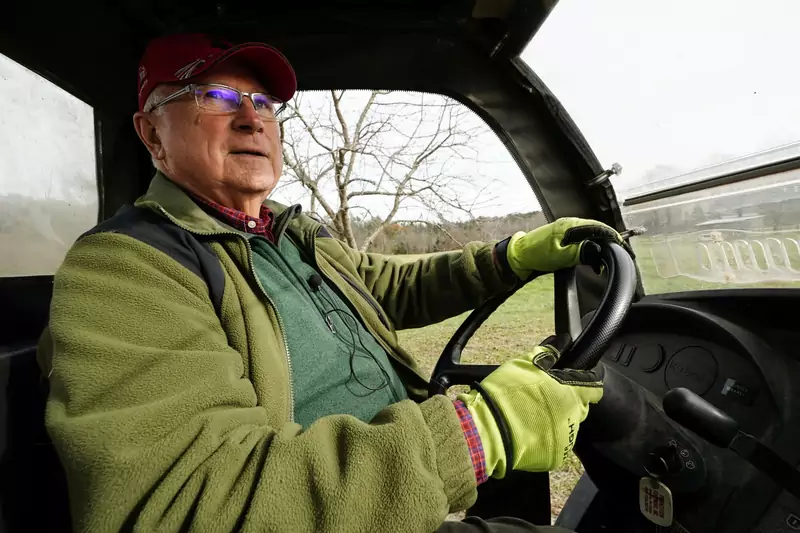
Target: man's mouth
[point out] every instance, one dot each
(255, 153)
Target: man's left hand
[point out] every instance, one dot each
(557, 245)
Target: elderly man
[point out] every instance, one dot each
(219, 362)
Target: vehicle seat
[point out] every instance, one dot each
(33, 489)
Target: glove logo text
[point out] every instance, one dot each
(570, 440)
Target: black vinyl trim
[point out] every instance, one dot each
(163, 235)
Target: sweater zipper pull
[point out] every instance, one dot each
(330, 323)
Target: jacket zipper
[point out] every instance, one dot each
(274, 307)
(366, 297)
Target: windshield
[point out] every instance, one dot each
(679, 92)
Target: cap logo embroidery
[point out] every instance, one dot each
(142, 79)
(185, 72)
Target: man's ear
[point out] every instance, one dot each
(145, 125)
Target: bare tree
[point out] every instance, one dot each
(379, 155)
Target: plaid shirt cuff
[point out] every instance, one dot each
(473, 441)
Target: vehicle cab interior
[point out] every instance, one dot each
(698, 332)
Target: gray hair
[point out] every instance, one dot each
(153, 99)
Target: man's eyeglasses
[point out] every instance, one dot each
(222, 99)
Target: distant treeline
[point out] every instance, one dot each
(428, 237)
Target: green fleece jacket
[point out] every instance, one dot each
(170, 416)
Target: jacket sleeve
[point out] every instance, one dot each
(434, 287)
(159, 428)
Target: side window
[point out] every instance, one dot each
(48, 191)
(409, 174)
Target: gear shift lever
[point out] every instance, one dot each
(718, 428)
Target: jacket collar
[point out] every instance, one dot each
(165, 197)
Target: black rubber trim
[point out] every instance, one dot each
(162, 234)
(502, 425)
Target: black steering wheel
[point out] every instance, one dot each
(587, 347)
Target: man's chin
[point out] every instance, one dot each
(253, 183)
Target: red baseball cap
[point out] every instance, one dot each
(181, 57)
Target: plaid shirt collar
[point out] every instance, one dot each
(239, 220)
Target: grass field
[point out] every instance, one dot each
(521, 322)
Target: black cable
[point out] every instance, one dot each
(355, 333)
(354, 353)
(315, 284)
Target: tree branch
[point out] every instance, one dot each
(309, 129)
(307, 182)
(385, 153)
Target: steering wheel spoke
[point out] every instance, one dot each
(567, 306)
(460, 375)
(587, 349)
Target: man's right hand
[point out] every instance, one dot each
(541, 409)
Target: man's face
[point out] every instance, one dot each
(212, 154)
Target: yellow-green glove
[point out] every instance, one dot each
(556, 245)
(536, 407)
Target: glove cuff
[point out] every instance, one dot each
(513, 259)
(502, 426)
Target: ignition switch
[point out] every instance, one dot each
(664, 462)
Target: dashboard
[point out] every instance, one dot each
(661, 361)
(739, 350)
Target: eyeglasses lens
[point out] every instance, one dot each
(225, 100)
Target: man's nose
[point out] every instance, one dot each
(247, 120)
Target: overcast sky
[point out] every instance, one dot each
(675, 83)
(681, 83)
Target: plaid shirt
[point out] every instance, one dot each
(263, 226)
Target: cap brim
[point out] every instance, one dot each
(271, 67)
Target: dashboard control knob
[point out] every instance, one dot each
(692, 367)
(650, 357)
